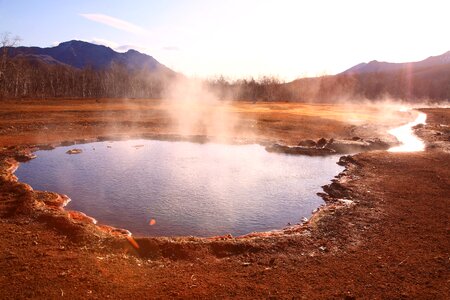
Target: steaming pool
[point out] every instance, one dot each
(161, 188)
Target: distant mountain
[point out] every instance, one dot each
(81, 69)
(381, 67)
(77, 69)
(79, 54)
(424, 80)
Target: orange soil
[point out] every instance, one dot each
(392, 242)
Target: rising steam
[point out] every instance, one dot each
(195, 109)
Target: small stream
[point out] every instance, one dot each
(409, 142)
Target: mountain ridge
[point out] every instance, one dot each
(376, 66)
(81, 54)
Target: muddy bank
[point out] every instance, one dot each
(375, 247)
(50, 202)
(48, 207)
(324, 147)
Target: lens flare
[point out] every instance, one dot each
(132, 242)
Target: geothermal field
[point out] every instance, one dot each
(156, 208)
(197, 149)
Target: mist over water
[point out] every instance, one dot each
(188, 188)
(196, 109)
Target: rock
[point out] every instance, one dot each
(336, 190)
(24, 156)
(299, 150)
(46, 147)
(356, 138)
(74, 151)
(346, 202)
(377, 144)
(52, 199)
(347, 146)
(348, 159)
(351, 146)
(321, 143)
(81, 217)
(307, 143)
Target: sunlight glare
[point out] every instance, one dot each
(405, 135)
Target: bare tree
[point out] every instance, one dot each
(6, 42)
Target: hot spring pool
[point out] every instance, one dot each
(187, 188)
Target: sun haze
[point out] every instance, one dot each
(289, 39)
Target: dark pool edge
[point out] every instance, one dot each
(338, 195)
(19, 154)
(82, 226)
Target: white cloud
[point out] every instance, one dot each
(118, 47)
(115, 23)
(107, 43)
(125, 48)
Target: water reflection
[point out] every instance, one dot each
(409, 142)
(181, 188)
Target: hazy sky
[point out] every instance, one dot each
(241, 38)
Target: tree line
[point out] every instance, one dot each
(34, 77)
(22, 77)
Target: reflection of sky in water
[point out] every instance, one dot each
(409, 142)
(188, 188)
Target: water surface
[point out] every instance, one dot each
(409, 142)
(187, 188)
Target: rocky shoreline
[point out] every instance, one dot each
(48, 203)
(324, 147)
(48, 207)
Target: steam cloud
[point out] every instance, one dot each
(195, 109)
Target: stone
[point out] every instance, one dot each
(74, 151)
(307, 143)
(321, 143)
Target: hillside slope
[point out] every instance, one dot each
(79, 54)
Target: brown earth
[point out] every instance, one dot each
(53, 121)
(391, 241)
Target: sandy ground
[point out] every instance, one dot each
(391, 241)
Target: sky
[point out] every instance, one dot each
(241, 38)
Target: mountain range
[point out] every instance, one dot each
(380, 67)
(50, 71)
(79, 54)
(411, 81)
